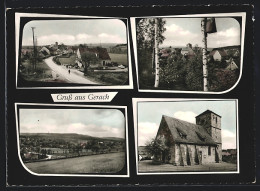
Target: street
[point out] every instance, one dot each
(71, 76)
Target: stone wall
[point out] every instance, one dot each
(187, 154)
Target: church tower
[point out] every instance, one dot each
(212, 123)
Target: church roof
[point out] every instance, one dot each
(185, 132)
(208, 111)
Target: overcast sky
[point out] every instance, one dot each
(181, 31)
(72, 32)
(93, 122)
(150, 114)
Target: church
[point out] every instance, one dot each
(188, 143)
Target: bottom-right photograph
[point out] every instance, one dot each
(193, 136)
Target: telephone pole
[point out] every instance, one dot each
(34, 50)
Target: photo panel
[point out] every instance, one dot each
(64, 51)
(186, 136)
(200, 53)
(69, 140)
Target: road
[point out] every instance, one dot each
(72, 77)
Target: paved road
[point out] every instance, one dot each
(72, 77)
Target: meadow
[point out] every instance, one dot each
(68, 60)
(119, 58)
(102, 163)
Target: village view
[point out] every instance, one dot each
(100, 64)
(171, 55)
(72, 141)
(34, 147)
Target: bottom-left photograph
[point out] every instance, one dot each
(73, 140)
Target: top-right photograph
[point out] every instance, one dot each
(196, 53)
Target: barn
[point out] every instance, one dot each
(188, 143)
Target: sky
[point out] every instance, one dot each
(148, 122)
(181, 31)
(92, 122)
(78, 31)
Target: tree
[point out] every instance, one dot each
(194, 73)
(156, 147)
(172, 71)
(87, 59)
(149, 36)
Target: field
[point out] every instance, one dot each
(68, 61)
(119, 58)
(148, 166)
(103, 163)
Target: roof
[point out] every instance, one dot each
(189, 51)
(102, 52)
(194, 134)
(207, 111)
(221, 52)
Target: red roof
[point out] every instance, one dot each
(102, 52)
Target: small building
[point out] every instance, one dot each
(188, 143)
(231, 64)
(101, 54)
(45, 51)
(188, 51)
(218, 54)
(164, 53)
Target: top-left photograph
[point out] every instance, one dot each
(60, 51)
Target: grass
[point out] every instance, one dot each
(68, 61)
(42, 73)
(119, 58)
(103, 163)
(149, 166)
(110, 78)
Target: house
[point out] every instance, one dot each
(231, 64)
(164, 53)
(188, 143)
(45, 51)
(101, 54)
(188, 51)
(218, 54)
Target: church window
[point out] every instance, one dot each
(209, 150)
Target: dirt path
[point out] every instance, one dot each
(72, 77)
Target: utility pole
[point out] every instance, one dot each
(34, 50)
(157, 67)
(204, 54)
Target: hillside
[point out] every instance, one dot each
(74, 137)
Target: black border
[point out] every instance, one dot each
(147, 3)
